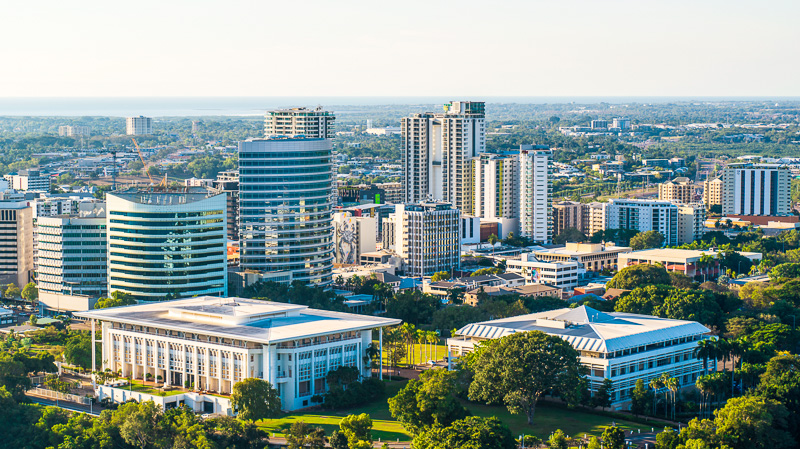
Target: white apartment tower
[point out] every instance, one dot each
(139, 126)
(427, 236)
(750, 189)
(73, 253)
(437, 148)
(643, 215)
(535, 219)
(311, 123)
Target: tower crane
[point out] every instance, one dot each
(163, 182)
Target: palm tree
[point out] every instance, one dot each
(702, 384)
(433, 339)
(408, 331)
(420, 338)
(664, 381)
(655, 384)
(736, 349)
(705, 349)
(673, 385)
(492, 240)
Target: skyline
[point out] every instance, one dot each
(575, 48)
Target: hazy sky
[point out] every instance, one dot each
(408, 47)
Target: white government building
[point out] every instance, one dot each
(210, 343)
(623, 347)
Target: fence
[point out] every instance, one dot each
(55, 395)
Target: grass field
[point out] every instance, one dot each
(548, 418)
(383, 426)
(149, 389)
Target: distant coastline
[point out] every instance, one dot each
(253, 106)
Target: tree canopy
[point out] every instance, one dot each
(518, 369)
(642, 275)
(255, 399)
(647, 239)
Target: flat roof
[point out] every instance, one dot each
(673, 253)
(588, 329)
(239, 318)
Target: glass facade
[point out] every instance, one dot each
(285, 207)
(167, 245)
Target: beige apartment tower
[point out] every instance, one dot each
(569, 214)
(679, 189)
(712, 192)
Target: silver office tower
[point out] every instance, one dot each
(285, 207)
(437, 152)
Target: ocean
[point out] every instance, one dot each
(245, 106)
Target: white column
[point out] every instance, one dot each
(94, 362)
(168, 373)
(196, 370)
(266, 365)
(219, 371)
(207, 367)
(380, 347)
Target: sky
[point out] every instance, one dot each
(166, 48)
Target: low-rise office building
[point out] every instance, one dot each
(623, 347)
(563, 275)
(692, 263)
(210, 344)
(592, 256)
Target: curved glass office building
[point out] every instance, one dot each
(164, 245)
(285, 186)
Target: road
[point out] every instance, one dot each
(66, 405)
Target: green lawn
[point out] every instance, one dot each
(383, 426)
(149, 389)
(548, 418)
(421, 353)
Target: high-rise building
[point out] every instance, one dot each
(643, 215)
(437, 148)
(569, 214)
(762, 189)
(73, 130)
(595, 218)
(712, 192)
(311, 123)
(679, 189)
(16, 243)
(691, 219)
(427, 236)
(138, 126)
(353, 236)
(166, 244)
(73, 253)
(31, 180)
(227, 182)
(621, 123)
(536, 213)
(492, 190)
(599, 124)
(285, 207)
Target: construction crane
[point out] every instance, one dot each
(163, 182)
